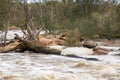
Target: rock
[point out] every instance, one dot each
(76, 51)
(100, 51)
(58, 47)
(89, 44)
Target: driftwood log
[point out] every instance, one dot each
(10, 47)
(22, 45)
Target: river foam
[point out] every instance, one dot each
(34, 66)
(38, 66)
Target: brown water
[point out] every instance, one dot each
(32, 66)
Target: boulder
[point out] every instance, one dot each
(89, 44)
(76, 51)
(57, 47)
(100, 51)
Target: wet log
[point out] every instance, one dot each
(35, 46)
(10, 47)
(38, 46)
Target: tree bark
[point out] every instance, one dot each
(6, 30)
(10, 47)
(33, 45)
(38, 47)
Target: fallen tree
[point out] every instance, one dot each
(31, 40)
(21, 45)
(10, 47)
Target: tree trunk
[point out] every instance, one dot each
(6, 30)
(34, 45)
(10, 47)
(38, 47)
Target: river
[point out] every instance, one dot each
(38, 66)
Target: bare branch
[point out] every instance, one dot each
(39, 31)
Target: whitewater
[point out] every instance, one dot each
(40, 66)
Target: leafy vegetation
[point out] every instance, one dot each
(89, 16)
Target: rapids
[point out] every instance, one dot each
(38, 66)
(34, 66)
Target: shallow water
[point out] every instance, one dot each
(34, 66)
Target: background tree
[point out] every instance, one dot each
(5, 6)
(88, 16)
